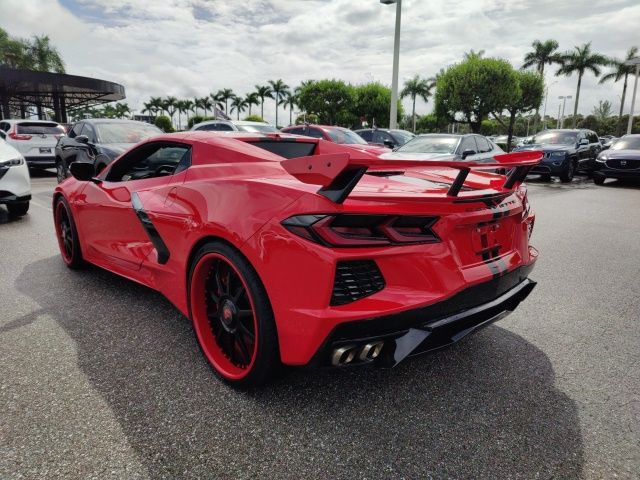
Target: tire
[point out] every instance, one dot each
(18, 209)
(232, 317)
(598, 179)
(567, 175)
(67, 235)
(62, 172)
(545, 177)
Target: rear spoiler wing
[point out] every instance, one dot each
(338, 173)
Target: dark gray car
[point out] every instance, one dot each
(99, 140)
(441, 146)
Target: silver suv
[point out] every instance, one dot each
(235, 126)
(35, 139)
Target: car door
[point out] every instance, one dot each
(68, 147)
(115, 211)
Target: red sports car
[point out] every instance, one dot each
(290, 250)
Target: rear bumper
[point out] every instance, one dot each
(8, 198)
(43, 162)
(428, 328)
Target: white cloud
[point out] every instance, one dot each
(192, 47)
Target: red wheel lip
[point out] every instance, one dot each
(200, 320)
(63, 253)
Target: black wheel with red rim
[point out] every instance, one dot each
(232, 316)
(67, 234)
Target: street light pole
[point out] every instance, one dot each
(564, 101)
(558, 121)
(393, 110)
(636, 62)
(544, 112)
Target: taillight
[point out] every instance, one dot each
(356, 230)
(19, 136)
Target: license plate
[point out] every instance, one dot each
(45, 150)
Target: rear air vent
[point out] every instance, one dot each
(356, 279)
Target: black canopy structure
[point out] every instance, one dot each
(20, 89)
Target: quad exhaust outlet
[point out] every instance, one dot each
(355, 354)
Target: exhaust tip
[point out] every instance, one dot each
(343, 355)
(370, 351)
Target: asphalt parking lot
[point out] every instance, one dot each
(102, 378)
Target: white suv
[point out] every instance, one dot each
(15, 186)
(35, 139)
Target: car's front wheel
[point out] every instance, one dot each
(567, 175)
(61, 171)
(18, 209)
(67, 234)
(232, 316)
(598, 179)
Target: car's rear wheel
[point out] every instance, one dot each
(567, 175)
(232, 316)
(67, 235)
(18, 209)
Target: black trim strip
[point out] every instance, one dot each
(149, 227)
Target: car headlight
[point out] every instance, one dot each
(14, 162)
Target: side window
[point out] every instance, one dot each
(593, 138)
(75, 131)
(314, 132)
(218, 127)
(90, 132)
(468, 143)
(483, 144)
(4, 126)
(366, 135)
(151, 160)
(296, 131)
(380, 137)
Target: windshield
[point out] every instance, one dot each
(402, 136)
(126, 132)
(556, 138)
(431, 144)
(630, 143)
(342, 135)
(257, 128)
(39, 128)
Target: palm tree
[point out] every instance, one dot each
(621, 71)
(417, 87)
(187, 106)
(543, 53)
(45, 56)
(238, 104)
(121, 109)
(206, 103)
(280, 91)
(225, 95)
(263, 92)
(251, 99)
(157, 105)
(291, 100)
(170, 106)
(472, 54)
(580, 60)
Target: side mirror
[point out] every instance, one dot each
(83, 171)
(82, 139)
(466, 153)
(389, 144)
(583, 141)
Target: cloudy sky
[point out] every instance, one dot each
(189, 48)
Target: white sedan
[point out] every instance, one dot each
(15, 185)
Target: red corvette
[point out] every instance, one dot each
(290, 250)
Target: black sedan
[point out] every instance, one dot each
(436, 146)
(621, 161)
(565, 152)
(391, 138)
(99, 140)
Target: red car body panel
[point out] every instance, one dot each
(241, 194)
